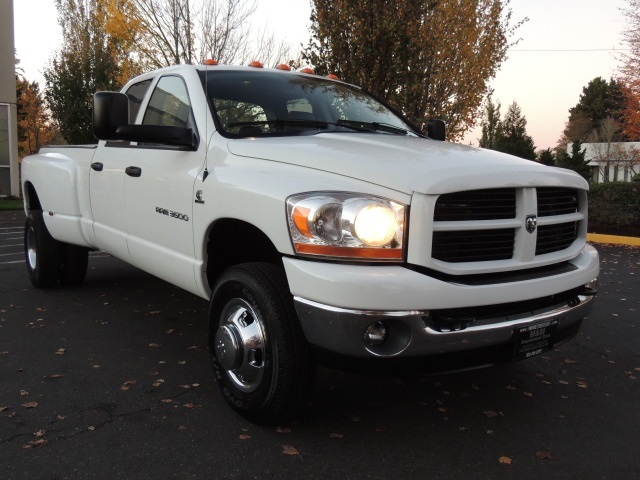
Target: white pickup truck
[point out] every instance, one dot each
(321, 225)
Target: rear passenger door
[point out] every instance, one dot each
(107, 183)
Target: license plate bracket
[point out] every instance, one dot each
(532, 340)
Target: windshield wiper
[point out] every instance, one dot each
(371, 126)
(279, 123)
(357, 125)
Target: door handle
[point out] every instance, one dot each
(97, 166)
(133, 171)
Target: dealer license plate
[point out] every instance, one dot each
(534, 339)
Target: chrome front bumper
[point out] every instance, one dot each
(416, 334)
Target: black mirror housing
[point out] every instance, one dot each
(110, 111)
(437, 130)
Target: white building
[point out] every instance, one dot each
(617, 161)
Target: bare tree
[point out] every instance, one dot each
(170, 32)
(605, 148)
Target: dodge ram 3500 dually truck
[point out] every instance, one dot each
(321, 225)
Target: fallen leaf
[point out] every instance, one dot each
(283, 429)
(290, 450)
(56, 375)
(188, 405)
(182, 362)
(36, 443)
(545, 455)
(170, 331)
(245, 437)
(154, 345)
(40, 433)
(336, 435)
(23, 393)
(61, 351)
(356, 419)
(527, 394)
(2, 409)
(569, 361)
(129, 382)
(166, 400)
(30, 405)
(582, 384)
(505, 460)
(510, 387)
(491, 414)
(91, 428)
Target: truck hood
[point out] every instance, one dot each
(406, 164)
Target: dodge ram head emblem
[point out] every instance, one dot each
(532, 222)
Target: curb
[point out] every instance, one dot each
(613, 239)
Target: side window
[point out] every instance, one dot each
(169, 104)
(136, 93)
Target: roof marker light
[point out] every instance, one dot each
(284, 66)
(210, 61)
(333, 76)
(307, 70)
(256, 65)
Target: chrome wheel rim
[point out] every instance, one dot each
(240, 343)
(32, 255)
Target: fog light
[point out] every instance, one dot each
(376, 333)
(592, 284)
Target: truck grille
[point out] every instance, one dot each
(465, 227)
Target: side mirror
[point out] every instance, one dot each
(437, 130)
(110, 111)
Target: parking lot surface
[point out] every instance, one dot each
(111, 380)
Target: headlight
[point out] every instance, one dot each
(347, 225)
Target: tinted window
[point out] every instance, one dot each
(136, 93)
(169, 104)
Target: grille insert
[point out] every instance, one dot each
(557, 201)
(493, 204)
(473, 246)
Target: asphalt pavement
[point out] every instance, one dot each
(111, 380)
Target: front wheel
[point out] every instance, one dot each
(260, 357)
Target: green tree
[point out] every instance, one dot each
(490, 123)
(89, 60)
(511, 135)
(576, 161)
(428, 58)
(599, 99)
(547, 157)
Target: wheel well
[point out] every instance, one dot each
(232, 242)
(31, 197)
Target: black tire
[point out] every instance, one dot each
(73, 264)
(41, 251)
(261, 360)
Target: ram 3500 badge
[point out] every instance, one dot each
(333, 230)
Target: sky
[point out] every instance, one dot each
(563, 45)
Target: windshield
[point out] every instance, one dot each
(272, 103)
